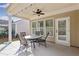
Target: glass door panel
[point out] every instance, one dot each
(62, 31)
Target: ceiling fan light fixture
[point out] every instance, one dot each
(38, 12)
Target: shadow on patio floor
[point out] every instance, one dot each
(6, 44)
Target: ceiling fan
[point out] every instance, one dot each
(38, 12)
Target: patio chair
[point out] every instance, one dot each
(23, 41)
(23, 33)
(43, 40)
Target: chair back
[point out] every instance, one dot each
(22, 39)
(46, 35)
(23, 33)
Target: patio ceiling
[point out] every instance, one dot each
(25, 10)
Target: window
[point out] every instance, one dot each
(49, 23)
(42, 27)
(33, 27)
(33, 24)
(38, 27)
(40, 23)
(49, 27)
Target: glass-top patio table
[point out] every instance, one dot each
(32, 38)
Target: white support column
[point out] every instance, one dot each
(10, 28)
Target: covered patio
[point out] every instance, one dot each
(59, 19)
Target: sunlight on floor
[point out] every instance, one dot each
(14, 48)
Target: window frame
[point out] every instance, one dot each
(53, 28)
(44, 25)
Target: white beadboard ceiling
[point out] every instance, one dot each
(25, 10)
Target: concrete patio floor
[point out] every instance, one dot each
(14, 49)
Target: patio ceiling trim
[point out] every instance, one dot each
(49, 12)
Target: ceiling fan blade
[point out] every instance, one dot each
(42, 13)
(34, 11)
